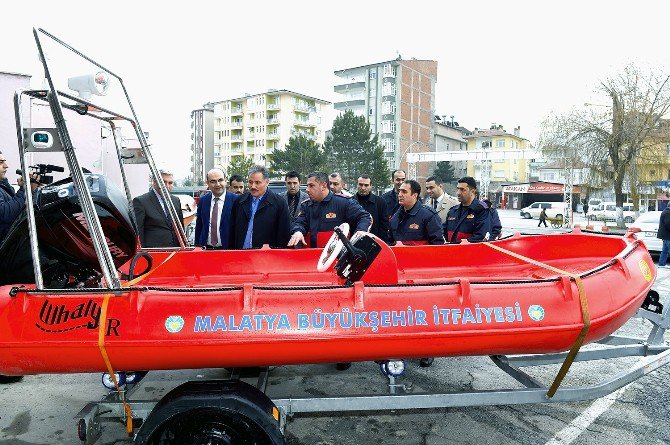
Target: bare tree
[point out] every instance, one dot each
(615, 139)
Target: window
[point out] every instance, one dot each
(373, 74)
(372, 111)
(486, 144)
(500, 143)
(499, 174)
(392, 127)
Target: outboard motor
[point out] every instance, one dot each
(67, 255)
(356, 257)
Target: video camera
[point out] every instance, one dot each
(42, 171)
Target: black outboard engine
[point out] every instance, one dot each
(67, 255)
(356, 257)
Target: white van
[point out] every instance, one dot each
(554, 209)
(608, 212)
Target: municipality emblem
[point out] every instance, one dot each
(174, 323)
(536, 312)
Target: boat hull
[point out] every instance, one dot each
(276, 322)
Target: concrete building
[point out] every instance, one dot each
(9, 83)
(508, 171)
(257, 125)
(202, 147)
(398, 99)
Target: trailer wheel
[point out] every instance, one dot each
(213, 427)
(217, 412)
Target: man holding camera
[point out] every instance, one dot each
(11, 202)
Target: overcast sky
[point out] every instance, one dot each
(508, 62)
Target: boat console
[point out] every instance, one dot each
(67, 255)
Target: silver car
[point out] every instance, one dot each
(648, 224)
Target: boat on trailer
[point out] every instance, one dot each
(93, 300)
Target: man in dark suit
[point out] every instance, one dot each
(293, 195)
(375, 206)
(391, 197)
(212, 224)
(152, 217)
(260, 216)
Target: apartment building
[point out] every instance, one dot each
(256, 125)
(508, 171)
(398, 99)
(202, 147)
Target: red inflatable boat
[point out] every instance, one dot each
(197, 308)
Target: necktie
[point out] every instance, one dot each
(214, 226)
(434, 204)
(293, 205)
(250, 229)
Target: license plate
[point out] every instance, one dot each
(650, 234)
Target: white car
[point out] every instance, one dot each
(648, 224)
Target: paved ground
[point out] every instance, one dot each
(40, 409)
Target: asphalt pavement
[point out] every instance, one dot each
(41, 408)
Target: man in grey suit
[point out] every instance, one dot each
(293, 195)
(152, 217)
(437, 199)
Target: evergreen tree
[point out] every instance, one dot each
(300, 154)
(352, 150)
(239, 165)
(444, 172)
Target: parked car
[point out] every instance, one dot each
(608, 212)
(647, 223)
(554, 210)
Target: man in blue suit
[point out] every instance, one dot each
(212, 225)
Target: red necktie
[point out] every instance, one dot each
(214, 226)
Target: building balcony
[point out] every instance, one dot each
(273, 121)
(272, 135)
(349, 104)
(352, 86)
(236, 124)
(236, 137)
(274, 106)
(304, 123)
(304, 108)
(235, 110)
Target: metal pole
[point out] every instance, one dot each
(30, 208)
(98, 239)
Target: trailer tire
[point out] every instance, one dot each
(212, 412)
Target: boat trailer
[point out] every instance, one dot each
(238, 398)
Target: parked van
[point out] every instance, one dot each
(608, 213)
(594, 211)
(554, 209)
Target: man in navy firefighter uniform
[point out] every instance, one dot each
(413, 222)
(470, 219)
(324, 211)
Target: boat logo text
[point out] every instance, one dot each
(536, 312)
(60, 317)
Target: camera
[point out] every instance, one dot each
(42, 170)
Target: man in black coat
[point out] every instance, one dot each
(664, 234)
(151, 215)
(375, 206)
(259, 216)
(391, 197)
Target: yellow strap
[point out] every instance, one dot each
(102, 327)
(586, 318)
